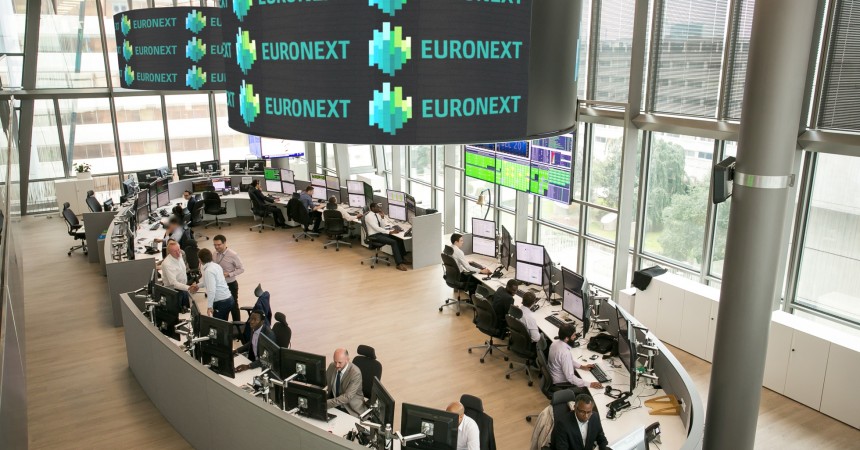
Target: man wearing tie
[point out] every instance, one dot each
(579, 429)
(344, 384)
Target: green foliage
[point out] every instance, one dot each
(665, 180)
(684, 220)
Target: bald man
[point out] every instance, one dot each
(468, 435)
(344, 384)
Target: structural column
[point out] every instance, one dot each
(780, 43)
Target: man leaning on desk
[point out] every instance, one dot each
(562, 365)
(344, 384)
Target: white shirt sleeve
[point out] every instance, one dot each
(460, 257)
(569, 364)
(473, 438)
(173, 274)
(375, 224)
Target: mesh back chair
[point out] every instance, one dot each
(261, 212)
(456, 281)
(485, 321)
(283, 333)
(370, 367)
(263, 304)
(214, 207)
(521, 345)
(93, 202)
(75, 229)
(335, 227)
(192, 261)
(197, 218)
(300, 214)
(374, 245)
(475, 410)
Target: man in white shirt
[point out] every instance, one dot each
(375, 222)
(174, 273)
(528, 318)
(217, 293)
(468, 434)
(460, 257)
(561, 363)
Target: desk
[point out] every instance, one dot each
(425, 242)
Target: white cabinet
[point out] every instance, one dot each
(679, 312)
(840, 397)
(670, 311)
(695, 320)
(807, 363)
(712, 331)
(73, 191)
(776, 363)
(646, 303)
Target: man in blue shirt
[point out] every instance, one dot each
(217, 292)
(307, 199)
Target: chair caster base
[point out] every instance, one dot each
(528, 419)
(482, 360)
(508, 377)
(507, 359)
(530, 383)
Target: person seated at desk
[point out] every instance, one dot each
(190, 200)
(561, 363)
(375, 222)
(460, 257)
(307, 198)
(258, 327)
(267, 203)
(174, 274)
(217, 292)
(468, 433)
(528, 318)
(344, 384)
(579, 429)
(503, 299)
(173, 230)
(332, 205)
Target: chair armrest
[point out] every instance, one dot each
(246, 308)
(237, 323)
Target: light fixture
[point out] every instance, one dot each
(488, 200)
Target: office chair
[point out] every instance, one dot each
(192, 261)
(261, 212)
(486, 292)
(521, 345)
(486, 322)
(214, 207)
(300, 214)
(547, 387)
(475, 410)
(197, 218)
(93, 202)
(283, 333)
(452, 276)
(374, 245)
(370, 367)
(75, 229)
(262, 304)
(335, 227)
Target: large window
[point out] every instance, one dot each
(70, 49)
(189, 128)
(605, 165)
(612, 74)
(88, 133)
(141, 133)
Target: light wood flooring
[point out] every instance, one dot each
(81, 393)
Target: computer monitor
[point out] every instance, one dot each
(636, 440)
(320, 193)
(142, 199)
(529, 273)
(269, 355)
(357, 200)
(368, 192)
(333, 193)
(218, 359)
(410, 203)
(484, 228)
(219, 332)
(623, 323)
(195, 317)
(166, 323)
(167, 298)
(221, 184)
(141, 215)
(186, 170)
(310, 399)
(627, 355)
(332, 182)
(213, 166)
(571, 281)
(396, 198)
(270, 173)
(309, 367)
(288, 176)
(287, 187)
(484, 246)
(274, 186)
(256, 166)
(161, 192)
(146, 176)
(397, 212)
(382, 404)
(439, 427)
(318, 180)
(505, 248)
(198, 186)
(530, 253)
(129, 187)
(355, 187)
(573, 304)
(238, 167)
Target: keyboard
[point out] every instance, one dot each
(476, 265)
(155, 226)
(555, 320)
(352, 213)
(599, 374)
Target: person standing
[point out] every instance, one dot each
(217, 293)
(232, 266)
(173, 273)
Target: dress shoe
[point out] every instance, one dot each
(401, 267)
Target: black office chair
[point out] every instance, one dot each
(475, 410)
(299, 213)
(197, 218)
(487, 323)
(335, 227)
(547, 387)
(261, 212)
(93, 202)
(214, 207)
(75, 229)
(456, 281)
(374, 245)
(263, 304)
(283, 333)
(192, 261)
(521, 345)
(370, 367)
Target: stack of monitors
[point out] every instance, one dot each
(273, 180)
(530, 264)
(318, 181)
(288, 181)
(574, 299)
(355, 191)
(397, 205)
(162, 195)
(484, 237)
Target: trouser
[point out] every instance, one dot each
(277, 214)
(184, 299)
(398, 248)
(221, 308)
(316, 217)
(234, 290)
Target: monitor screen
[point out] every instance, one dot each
(571, 281)
(288, 187)
(552, 167)
(512, 172)
(484, 246)
(382, 404)
(186, 170)
(213, 166)
(238, 166)
(320, 193)
(572, 303)
(355, 187)
(142, 198)
(529, 273)
(623, 323)
(397, 212)
(141, 215)
(439, 427)
(272, 174)
(627, 355)
(410, 203)
(308, 398)
(269, 354)
(256, 166)
(396, 198)
(163, 199)
(530, 253)
(505, 248)
(357, 200)
(368, 191)
(273, 186)
(333, 193)
(480, 164)
(222, 184)
(146, 176)
(332, 182)
(318, 179)
(310, 368)
(287, 176)
(484, 228)
(203, 185)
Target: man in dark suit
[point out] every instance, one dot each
(267, 203)
(503, 299)
(344, 384)
(258, 327)
(579, 429)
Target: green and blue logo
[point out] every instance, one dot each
(195, 21)
(195, 49)
(389, 50)
(125, 25)
(249, 103)
(129, 75)
(246, 51)
(389, 110)
(389, 7)
(127, 50)
(195, 78)
(241, 8)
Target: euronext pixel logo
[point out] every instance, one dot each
(195, 78)
(195, 21)
(249, 103)
(129, 75)
(241, 8)
(125, 25)
(195, 49)
(389, 50)
(389, 7)
(246, 51)
(389, 110)
(127, 50)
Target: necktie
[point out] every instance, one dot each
(337, 385)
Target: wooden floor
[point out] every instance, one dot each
(81, 393)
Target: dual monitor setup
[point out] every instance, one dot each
(191, 170)
(401, 206)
